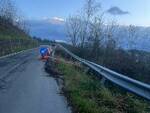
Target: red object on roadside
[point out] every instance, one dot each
(45, 58)
(45, 53)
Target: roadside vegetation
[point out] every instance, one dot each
(14, 35)
(94, 38)
(87, 95)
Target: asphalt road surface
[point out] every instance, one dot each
(26, 88)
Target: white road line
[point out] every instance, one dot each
(12, 54)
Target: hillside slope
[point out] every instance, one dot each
(13, 39)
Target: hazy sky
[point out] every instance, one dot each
(124, 11)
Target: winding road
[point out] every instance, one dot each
(25, 87)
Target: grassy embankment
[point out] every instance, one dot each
(13, 39)
(88, 96)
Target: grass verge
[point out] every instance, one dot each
(88, 96)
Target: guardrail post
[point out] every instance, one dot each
(53, 52)
(103, 80)
(65, 55)
(53, 55)
(71, 59)
(86, 70)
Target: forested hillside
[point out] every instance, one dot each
(13, 32)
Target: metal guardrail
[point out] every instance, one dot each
(134, 86)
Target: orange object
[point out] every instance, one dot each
(46, 57)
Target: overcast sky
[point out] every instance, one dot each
(135, 12)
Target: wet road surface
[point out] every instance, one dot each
(26, 88)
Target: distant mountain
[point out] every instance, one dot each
(141, 39)
(47, 28)
(54, 29)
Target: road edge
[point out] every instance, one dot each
(12, 54)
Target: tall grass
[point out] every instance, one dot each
(88, 96)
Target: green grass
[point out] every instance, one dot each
(88, 96)
(14, 40)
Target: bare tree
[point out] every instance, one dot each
(88, 15)
(87, 26)
(73, 25)
(7, 10)
(91, 8)
(132, 35)
(95, 38)
(9, 16)
(110, 39)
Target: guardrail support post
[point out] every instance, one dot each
(86, 70)
(53, 52)
(103, 80)
(71, 59)
(53, 55)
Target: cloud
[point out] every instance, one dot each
(117, 11)
(54, 20)
(58, 19)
